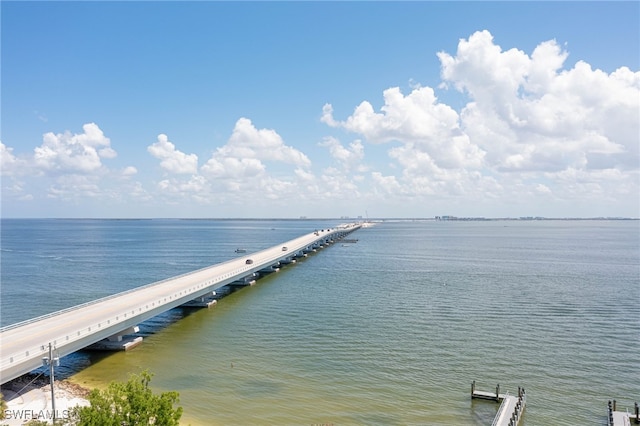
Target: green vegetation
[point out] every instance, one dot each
(3, 406)
(130, 403)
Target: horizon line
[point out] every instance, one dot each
(442, 218)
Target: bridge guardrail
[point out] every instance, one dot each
(295, 246)
(78, 334)
(102, 299)
(122, 293)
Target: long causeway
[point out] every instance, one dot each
(23, 345)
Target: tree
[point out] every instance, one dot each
(3, 406)
(130, 403)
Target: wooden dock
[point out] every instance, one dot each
(511, 406)
(622, 418)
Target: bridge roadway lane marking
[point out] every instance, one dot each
(30, 336)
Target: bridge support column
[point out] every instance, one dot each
(269, 269)
(244, 281)
(121, 341)
(205, 301)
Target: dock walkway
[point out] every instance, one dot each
(511, 406)
(622, 418)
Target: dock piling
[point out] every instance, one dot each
(621, 418)
(610, 413)
(511, 406)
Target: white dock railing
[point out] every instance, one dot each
(503, 406)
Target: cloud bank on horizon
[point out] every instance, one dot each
(531, 138)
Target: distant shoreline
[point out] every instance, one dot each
(529, 219)
(348, 219)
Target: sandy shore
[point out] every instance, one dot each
(29, 399)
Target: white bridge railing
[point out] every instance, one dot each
(23, 344)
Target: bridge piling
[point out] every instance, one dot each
(79, 327)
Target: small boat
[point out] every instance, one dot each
(241, 250)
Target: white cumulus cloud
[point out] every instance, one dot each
(76, 153)
(349, 157)
(232, 167)
(129, 171)
(529, 114)
(417, 119)
(265, 144)
(248, 149)
(172, 160)
(8, 162)
(531, 127)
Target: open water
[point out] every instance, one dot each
(390, 330)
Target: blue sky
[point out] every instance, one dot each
(320, 109)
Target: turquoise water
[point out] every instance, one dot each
(388, 331)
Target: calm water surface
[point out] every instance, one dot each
(388, 331)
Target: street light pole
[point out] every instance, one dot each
(52, 362)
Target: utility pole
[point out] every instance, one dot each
(51, 362)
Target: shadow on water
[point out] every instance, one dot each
(75, 362)
(482, 412)
(78, 361)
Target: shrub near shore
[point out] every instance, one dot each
(129, 403)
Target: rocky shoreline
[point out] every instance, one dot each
(29, 398)
(36, 381)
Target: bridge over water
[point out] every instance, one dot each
(24, 344)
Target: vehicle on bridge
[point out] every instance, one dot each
(23, 345)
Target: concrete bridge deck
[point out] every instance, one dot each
(23, 345)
